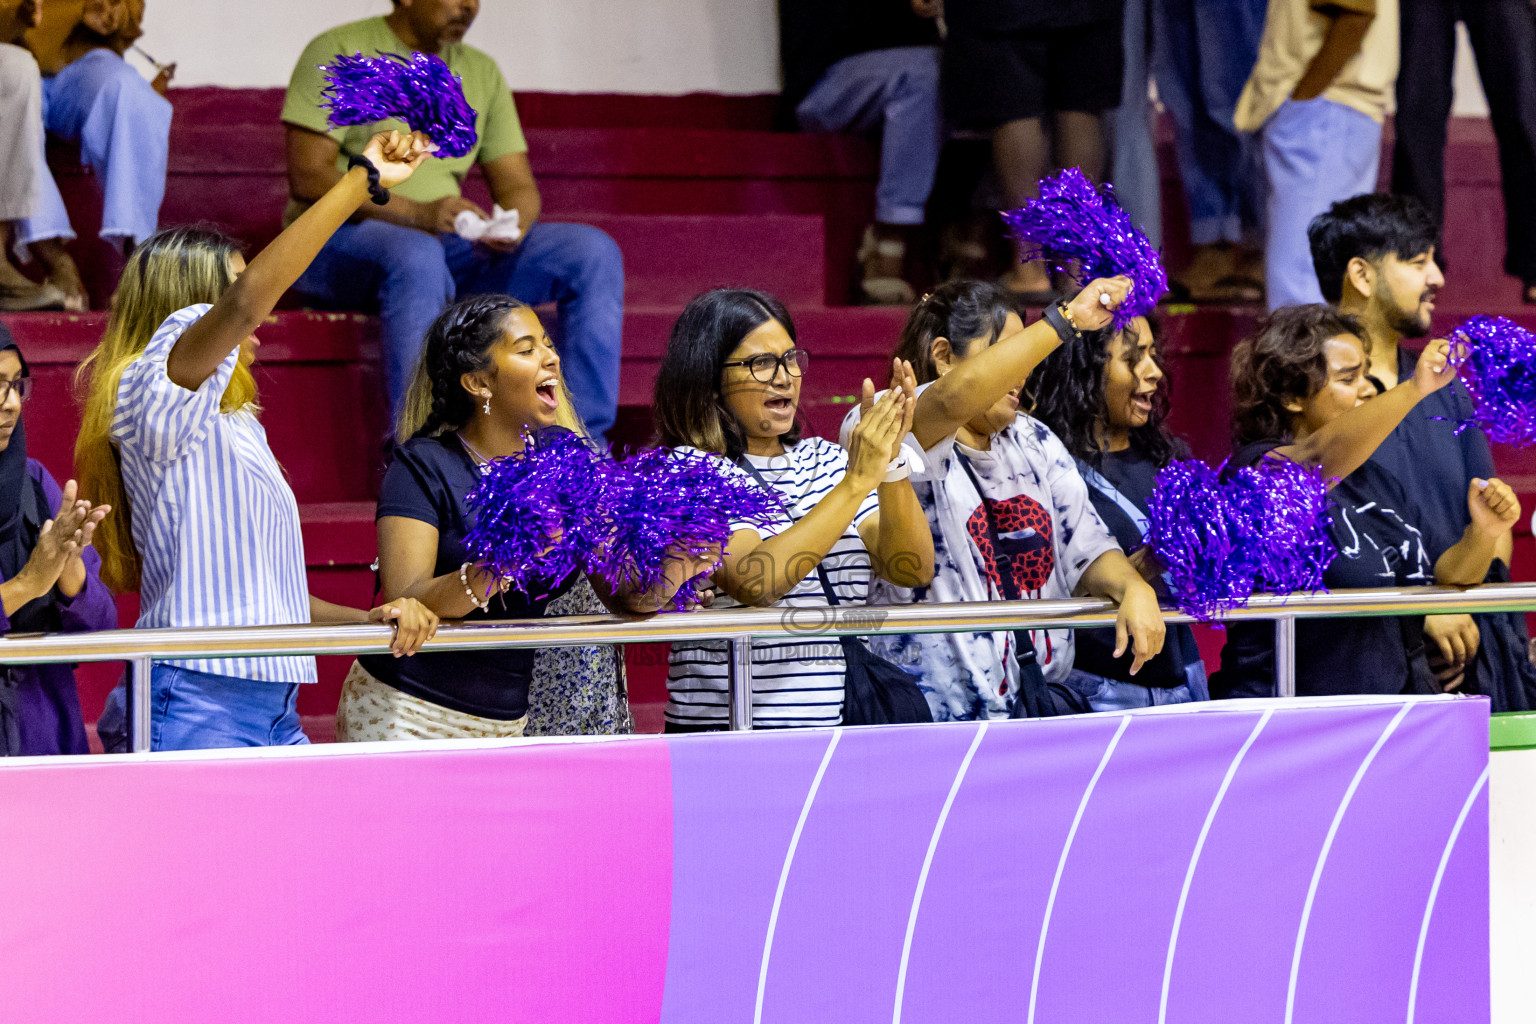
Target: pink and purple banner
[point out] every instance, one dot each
(1307, 861)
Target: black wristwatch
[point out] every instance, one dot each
(1056, 317)
(378, 193)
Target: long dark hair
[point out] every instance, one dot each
(1068, 392)
(688, 403)
(458, 342)
(959, 311)
(1283, 360)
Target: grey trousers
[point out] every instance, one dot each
(21, 132)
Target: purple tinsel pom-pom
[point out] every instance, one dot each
(662, 502)
(419, 90)
(1222, 535)
(1498, 365)
(532, 511)
(1075, 221)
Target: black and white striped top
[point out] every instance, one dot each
(794, 682)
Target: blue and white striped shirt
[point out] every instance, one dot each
(215, 522)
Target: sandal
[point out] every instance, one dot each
(14, 299)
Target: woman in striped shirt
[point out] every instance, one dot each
(729, 385)
(206, 527)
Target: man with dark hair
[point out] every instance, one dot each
(410, 257)
(1375, 259)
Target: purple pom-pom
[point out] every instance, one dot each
(1074, 221)
(1222, 535)
(1498, 365)
(419, 90)
(663, 502)
(533, 523)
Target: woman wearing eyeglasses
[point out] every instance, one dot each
(51, 582)
(729, 385)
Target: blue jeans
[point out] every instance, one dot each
(407, 276)
(1316, 152)
(124, 130)
(1116, 695)
(1138, 185)
(1202, 54)
(198, 711)
(896, 92)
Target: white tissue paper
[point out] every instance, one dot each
(502, 227)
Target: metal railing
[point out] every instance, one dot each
(737, 627)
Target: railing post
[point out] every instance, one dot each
(739, 682)
(1285, 656)
(138, 704)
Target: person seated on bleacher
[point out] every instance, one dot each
(406, 260)
(871, 66)
(21, 137)
(49, 579)
(1375, 258)
(1300, 391)
(122, 125)
(1010, 516)
(206, 527)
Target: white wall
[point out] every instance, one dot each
(634, 46)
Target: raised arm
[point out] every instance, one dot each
(976, 383)
(1343, 445)
(247, 302)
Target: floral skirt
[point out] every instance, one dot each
(371, 710)
(578, 691)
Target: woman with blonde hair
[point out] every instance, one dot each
(206, 526)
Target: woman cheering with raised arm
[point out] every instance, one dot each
(1010, 516)
(206, 527)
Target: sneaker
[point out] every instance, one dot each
(880, 264)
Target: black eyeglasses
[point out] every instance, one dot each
(765, 367)
(21, 385)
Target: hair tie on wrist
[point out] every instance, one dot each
(378, 193)
(1058, 317)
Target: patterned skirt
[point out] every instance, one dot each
(578, 691)
(371, 710)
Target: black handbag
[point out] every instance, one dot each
(1036, 697)
(875, 691)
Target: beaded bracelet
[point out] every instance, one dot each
(1061, 318)
(479, 603)
(378, 193)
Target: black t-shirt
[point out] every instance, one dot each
(1379, 545)
(1432, 462)
(815, 34)
(428, 480)
(1027, 15)
(1119, 488)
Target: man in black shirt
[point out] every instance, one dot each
(1374, 256)
(871, 66)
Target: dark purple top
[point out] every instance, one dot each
(48, 705)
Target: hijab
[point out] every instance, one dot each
(23, 510)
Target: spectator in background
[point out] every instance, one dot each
(21, 149)
(871, 66)
(1375, 259)
(1503, 34)
(1317, 99)
(122, 125)
(49, 579)
(1038, 76)
(1133, 151)
(1202, 53)
(405, 259)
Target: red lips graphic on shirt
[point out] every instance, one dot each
(1024, 531)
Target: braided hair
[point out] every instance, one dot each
(458, 342)
(960, 311)
(1067, 389)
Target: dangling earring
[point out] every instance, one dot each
(487, 405)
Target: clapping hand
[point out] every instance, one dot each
(56, 558)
